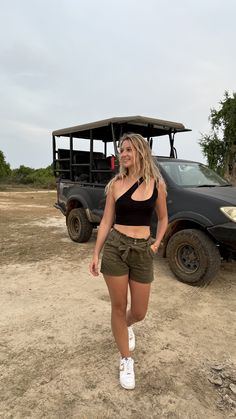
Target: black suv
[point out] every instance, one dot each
(201, 205)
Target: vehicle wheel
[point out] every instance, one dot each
(78, 225)
(193, 257)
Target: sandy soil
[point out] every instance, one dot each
(57, 355)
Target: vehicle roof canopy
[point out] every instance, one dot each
(108, 129)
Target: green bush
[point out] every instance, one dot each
(40, 178)
(23, 175)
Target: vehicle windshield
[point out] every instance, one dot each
(191, 174)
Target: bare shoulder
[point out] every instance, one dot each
(161, 187)
(116, 184)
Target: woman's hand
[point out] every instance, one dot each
(154, 248)
(93, 267)
(103, 231)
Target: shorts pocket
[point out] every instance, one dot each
(111, 238)
(151, 252)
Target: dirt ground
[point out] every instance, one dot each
(58, 359)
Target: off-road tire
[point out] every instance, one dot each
(78, 226)
(193, 257)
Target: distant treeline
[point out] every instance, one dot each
(24, 175)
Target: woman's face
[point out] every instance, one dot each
(127, 154)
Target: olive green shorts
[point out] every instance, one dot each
(123, 255)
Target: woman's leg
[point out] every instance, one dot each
(118, 290)
(139, 293)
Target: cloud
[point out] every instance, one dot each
(70, 62)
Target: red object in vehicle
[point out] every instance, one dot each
(112, 162)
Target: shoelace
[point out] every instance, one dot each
(128, 366)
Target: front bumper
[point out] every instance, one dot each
(225, 234)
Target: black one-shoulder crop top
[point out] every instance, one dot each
(135, 213)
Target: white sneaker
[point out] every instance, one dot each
(127, 378)
(131, 336)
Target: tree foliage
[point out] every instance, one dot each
(5, 169)
(220, 145)
(37, 177)
(24, 175)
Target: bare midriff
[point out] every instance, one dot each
(137, 232)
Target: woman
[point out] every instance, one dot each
(127, 260)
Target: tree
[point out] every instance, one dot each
(38, 177)
(21, 174)
(5, 169)
(220, 145)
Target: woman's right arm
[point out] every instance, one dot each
(104, 228)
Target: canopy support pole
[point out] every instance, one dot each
(91, 155)
(172, 148)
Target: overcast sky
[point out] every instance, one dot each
(66, 62)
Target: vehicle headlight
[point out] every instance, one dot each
(230, 212)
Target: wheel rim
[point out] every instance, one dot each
(75, 225)
(187, 258)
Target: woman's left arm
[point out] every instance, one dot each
(162, 216)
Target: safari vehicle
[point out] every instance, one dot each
(201, 205)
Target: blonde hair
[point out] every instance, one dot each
(145, 166)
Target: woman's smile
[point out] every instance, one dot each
(126, 153)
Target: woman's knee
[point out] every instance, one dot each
(119, 309)
(138, 315)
